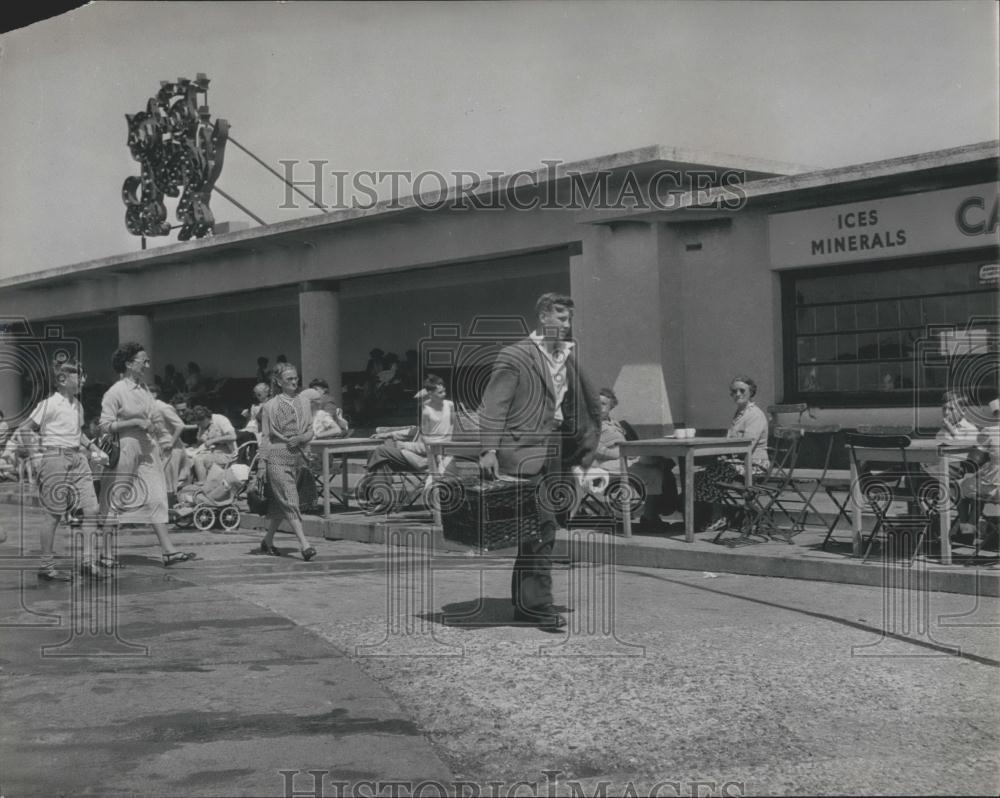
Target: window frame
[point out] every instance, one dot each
(789, 321)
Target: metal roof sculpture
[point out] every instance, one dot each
(181, 154)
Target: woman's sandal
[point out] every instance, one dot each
(308, 554)
(178, 556)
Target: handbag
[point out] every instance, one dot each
(111, 446)
(258, 491)
(305, 485)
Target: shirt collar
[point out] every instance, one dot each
(560, 346)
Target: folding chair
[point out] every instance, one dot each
(886, 477)
(385, 490)
(391, 487)
(591, 502)
(834, 486)
(796, 491)
(754, 506)
(604, 496)
(838, 489)
(774, 411)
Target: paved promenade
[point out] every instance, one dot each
(379, 663)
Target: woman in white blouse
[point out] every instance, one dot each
(749, 421)
(135, 490)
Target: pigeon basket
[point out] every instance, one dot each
(490, 514)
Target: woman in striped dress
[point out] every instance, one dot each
(285, 429)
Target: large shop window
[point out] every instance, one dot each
(881, 334)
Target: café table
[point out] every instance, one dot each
(685, 450)
(921, 450)
(344, 448)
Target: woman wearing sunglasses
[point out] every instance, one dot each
(749, 421)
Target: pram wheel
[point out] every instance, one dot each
(204, 517)
(229, 518)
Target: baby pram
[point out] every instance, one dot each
(213, 502)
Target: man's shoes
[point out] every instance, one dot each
(545, 618)
(270, 549)
(53, 574)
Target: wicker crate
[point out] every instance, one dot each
(492, 514)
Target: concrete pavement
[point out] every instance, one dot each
(380, 662)
(196, 692)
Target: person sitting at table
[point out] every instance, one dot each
(328, 419)
(979, 482)
(749, 422)
(656, 473)
(954, 424)
(436, 424)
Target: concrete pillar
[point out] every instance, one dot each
(627, 322)
(319, 333)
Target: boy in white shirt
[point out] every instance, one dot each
(436, 424)
(65, 482)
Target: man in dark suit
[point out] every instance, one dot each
(538, 418)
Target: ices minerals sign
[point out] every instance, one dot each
(932, 221)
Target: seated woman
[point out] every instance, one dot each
(436, 424)
(656, 473)
(325, 425)
(749, 422)
(217, 439)
(328, 419)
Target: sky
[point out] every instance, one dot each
(471, 87)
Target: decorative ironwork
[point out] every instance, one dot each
(181, 154)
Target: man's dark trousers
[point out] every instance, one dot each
(531, 579)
